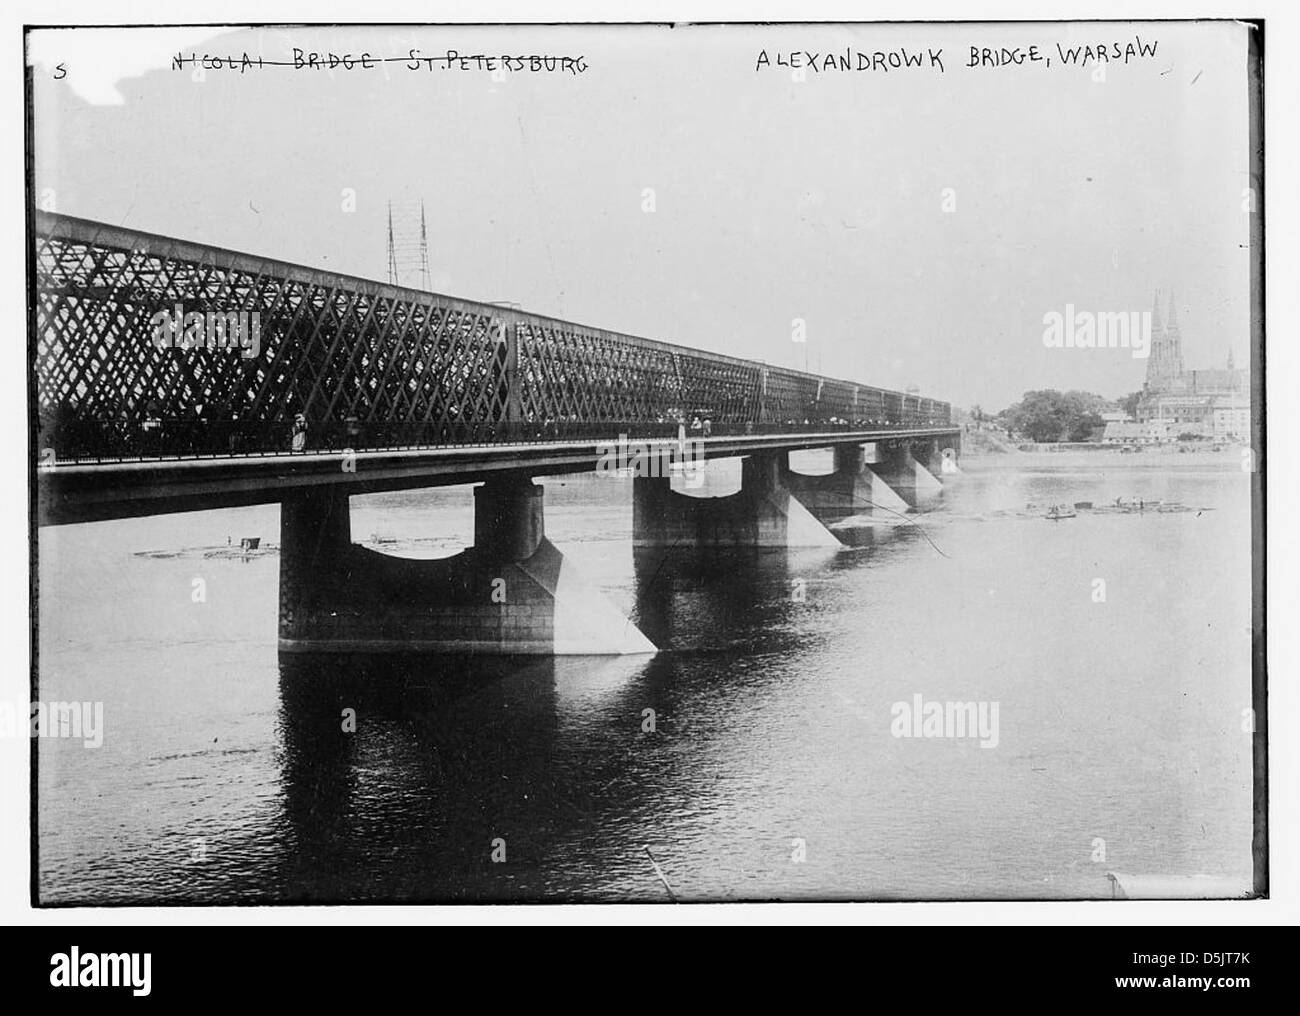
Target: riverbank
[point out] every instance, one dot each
(986, 448)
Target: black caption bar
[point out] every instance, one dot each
(166, 965)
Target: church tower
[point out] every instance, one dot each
(1175, 336)
(1165, 365)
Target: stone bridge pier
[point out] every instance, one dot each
(909, 469)
(512, 592)
(777, 507)
(851, 489)
(763, 513)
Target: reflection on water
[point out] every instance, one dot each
(753, 756)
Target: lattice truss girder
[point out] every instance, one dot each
(334, 347)
(327, 350)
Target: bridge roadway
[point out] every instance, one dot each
(75, 492)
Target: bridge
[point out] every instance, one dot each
(173, 376)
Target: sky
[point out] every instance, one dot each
(919, 223)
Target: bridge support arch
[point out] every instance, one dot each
(897, 465)
(851, 489)
(513, 592)
(763, 513)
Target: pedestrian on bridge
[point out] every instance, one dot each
(299, 442)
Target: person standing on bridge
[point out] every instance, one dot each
(299, 442)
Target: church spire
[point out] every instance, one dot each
(1165, 363)
(1174, 344)
(1230, 364)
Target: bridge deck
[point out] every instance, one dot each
(86, 492)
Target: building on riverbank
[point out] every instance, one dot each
(1130, 433)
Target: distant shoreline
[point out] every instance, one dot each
(1153, 456)
(1171, 448)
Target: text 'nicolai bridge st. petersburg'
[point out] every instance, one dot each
(171, 376)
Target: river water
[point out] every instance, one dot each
(772, 770)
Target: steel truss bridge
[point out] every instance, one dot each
(369, 365)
